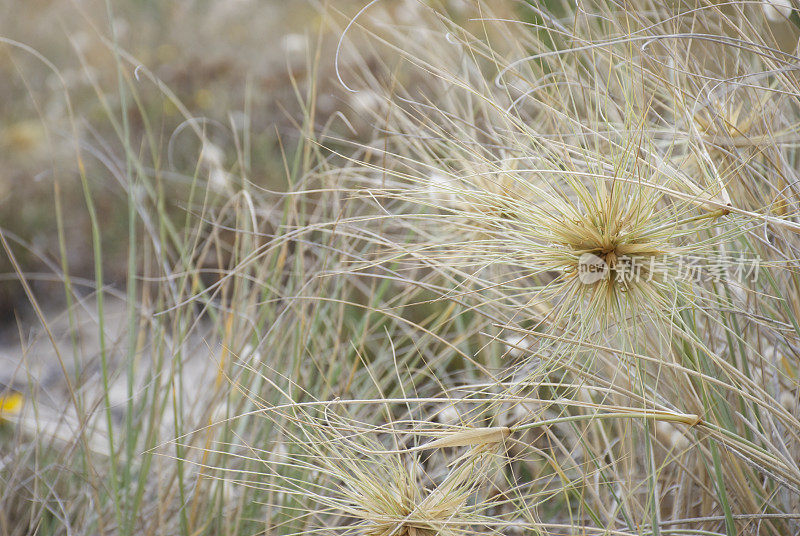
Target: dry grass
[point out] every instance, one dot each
(534, 272)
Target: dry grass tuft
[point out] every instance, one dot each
(533, 268)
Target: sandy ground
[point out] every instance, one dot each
(64, 374)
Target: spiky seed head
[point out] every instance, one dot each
(383, 491)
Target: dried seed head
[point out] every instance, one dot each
(388, 492)
(613, 253)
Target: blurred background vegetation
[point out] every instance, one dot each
(241, 66)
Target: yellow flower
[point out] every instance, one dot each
(10, 404)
